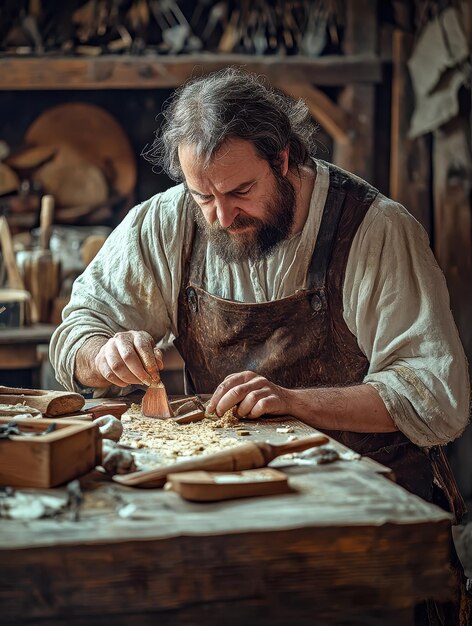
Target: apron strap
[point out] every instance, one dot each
(326, 237)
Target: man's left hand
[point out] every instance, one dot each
(253, 394)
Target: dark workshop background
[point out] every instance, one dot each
(388, 83)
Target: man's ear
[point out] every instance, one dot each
(284, 161)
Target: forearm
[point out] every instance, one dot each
(358, 409)
(85, 371)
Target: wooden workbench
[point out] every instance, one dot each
(348, 546)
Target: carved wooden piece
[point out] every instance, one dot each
(215, 486)
(50, 403)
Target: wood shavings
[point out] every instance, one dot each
(157, 441)
(227, 420)
(19, 410)
(284, 430)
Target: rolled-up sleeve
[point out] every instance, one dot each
(397, 305)
(122, 289)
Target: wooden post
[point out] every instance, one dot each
(361, 36)
(410, 161)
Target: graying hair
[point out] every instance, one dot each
(227, 104)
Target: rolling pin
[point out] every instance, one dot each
(243, 457)
(50, 403)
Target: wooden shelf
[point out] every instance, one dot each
(147, 72)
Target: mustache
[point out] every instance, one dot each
(240, 221)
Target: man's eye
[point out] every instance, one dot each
(203, 199)
(242, 193)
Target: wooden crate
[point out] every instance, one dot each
(72, 449)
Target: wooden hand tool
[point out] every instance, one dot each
(50, 403)
(244, 457)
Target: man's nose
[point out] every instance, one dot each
(226, 211)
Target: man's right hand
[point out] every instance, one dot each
(128, 358)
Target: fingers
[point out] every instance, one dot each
(104, 369)
(130, 355)
(229, 382)
(256, 402)
(233, 390)
(159, 358)
(144, 346)
(129, 358)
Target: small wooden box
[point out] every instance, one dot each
(72, 449)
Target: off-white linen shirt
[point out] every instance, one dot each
(394, 297)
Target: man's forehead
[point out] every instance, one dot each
(225, 155)
(232, 164)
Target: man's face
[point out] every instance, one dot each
(243, 208)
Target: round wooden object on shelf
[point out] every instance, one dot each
(71, 185)
(9, 181)
(31, 157)
(94, 134)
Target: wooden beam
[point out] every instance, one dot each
(129, 72)
(332, 118)
(410, 160)
(361, 37)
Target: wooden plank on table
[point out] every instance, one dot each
(133, 72)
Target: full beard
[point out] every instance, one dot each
(264, 234)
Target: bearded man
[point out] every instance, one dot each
(291, 287)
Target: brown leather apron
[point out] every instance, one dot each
(302, 340)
